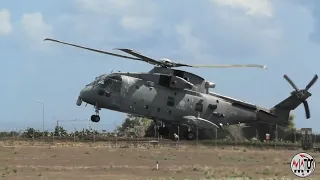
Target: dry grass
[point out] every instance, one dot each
(82, 161)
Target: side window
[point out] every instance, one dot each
(113, 83)
(116, 86)
(170, 101)
(199, 107)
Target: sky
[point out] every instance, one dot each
(283, 35)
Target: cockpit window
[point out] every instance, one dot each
(111, 83)
(97, 79)
(90, 84)
(116, 86)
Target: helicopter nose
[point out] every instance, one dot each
(85, 94)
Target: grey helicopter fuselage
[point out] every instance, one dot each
(168, 95)
(179, 97)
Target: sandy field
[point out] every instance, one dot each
(110, 163)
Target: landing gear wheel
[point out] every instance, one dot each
(189, 135)
(163, 131)
(95, 118)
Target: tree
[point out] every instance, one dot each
(132, 121)
(291, 126)
(31, 133)
(60, 131)
(5, 134)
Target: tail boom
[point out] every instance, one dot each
(293, 101)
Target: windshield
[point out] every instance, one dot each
(96, 81)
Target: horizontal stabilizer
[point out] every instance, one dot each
(200, 122)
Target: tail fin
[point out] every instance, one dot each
(296, 98)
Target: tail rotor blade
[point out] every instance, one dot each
(315, 78)
(306, 107)
(291, 82)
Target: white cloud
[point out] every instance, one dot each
(136, 23)
(118, 8)
(251, 7)
(35, 27)
(189, 42)
(200, 29)
(132, 15)
(5, 23)
(104, 6)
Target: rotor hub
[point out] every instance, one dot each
(303, 94)
(165, 60)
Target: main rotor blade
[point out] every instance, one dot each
(230, 66)
(291, 82)
(90, 49)
(181, 65)
(306, 107)
(142, 57)
(315, 78)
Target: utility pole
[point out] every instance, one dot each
(216, 137)
(197, 127)
(41, 102)
(197, 133)
(275, 144)
(277, 137)
(178, 134)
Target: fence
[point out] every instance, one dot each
(91, 137)
(85, 131)
(142, 142)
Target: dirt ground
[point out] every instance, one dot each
(107, 163)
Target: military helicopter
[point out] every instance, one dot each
(179, 97)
